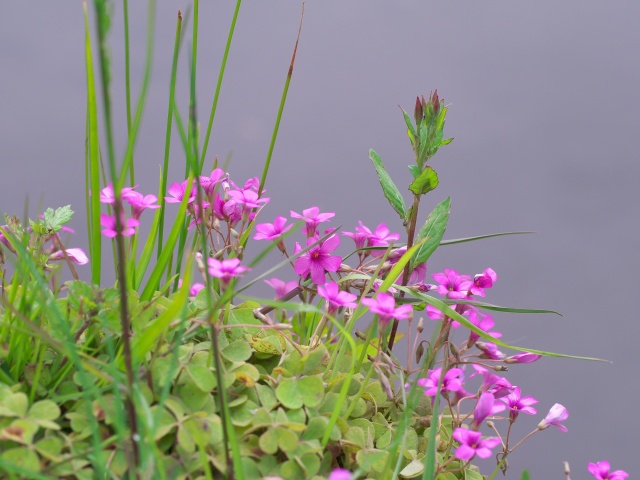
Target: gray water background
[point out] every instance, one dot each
(544, 110)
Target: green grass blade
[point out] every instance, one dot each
(480, 237)
(167, 139)
(167, 250)
(93, 164)
(451, 313)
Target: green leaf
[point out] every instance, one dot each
(525, 475)
(497, 308)
(432, 231)
(239, 351)
(413, 470)
(425, 182)
(294, 393)
(389, 188)
(407, 120)
(44, 410)
(53, 221)
(415, 170)
(14, 405)
(446, 141)
(269, 441)
(287, 440)
(479, 237)
(22, 458)
(202, 377)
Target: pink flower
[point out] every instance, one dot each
(524, 357)
(226, 270)
(452, 284)
(381, 237)
(450, 382)
(195, 288)
(483, 280)
(490, 350)
(485, 406)
(471, 444)
(318, 260)
(340, 474)
(484, 323)
(107, 195)
(312, 218)
(384, 305)
(76, 255)
(281, 288)
(177, 191)
(247, 199)
(140, 202)
(493, 383)
(556, 415)
(517, 404)
(336, 298)
(360, 236)
(109, 222)
(209, 183)
(271, 231)
(600, 471)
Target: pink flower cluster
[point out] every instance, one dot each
(138, 202)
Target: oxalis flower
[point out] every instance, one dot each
(271, 231)
(318, 260)
(385, 306)
(450, 382)
(76, 255)
(472, 444)
(109, 222)
(312, 218)
(557, 414)
(336, 298)
(517, 404)
(340, 474)
(600, 471)
(226, 270)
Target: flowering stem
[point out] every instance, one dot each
(411, 231)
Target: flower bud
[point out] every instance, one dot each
(418, 112)
(434, 101)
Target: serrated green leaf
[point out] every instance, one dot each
(54, 220)
(425, 182)
(391, 192)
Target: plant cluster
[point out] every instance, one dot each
(175, 372)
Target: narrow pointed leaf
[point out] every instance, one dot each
(479, 237)
(433, 230)
(497, 308)
(407, 120)
(451, 313)
(389, 188)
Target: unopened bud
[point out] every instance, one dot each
(360, 335)
(435, 102)
(420, 327)
(419, 352)
(418, 112)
